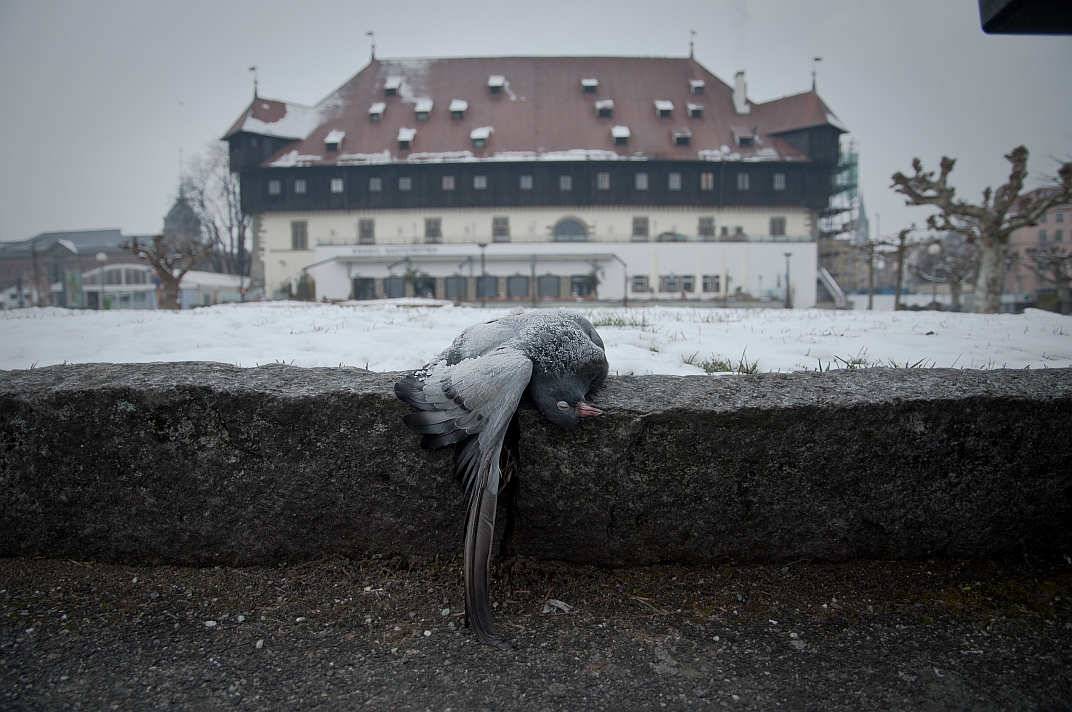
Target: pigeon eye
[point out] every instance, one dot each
(563, 405)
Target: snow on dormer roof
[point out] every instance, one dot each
(459, 105)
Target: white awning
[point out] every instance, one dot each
(605, 104)
(589, 82)
(496, 80)
(661, 105)
(619, 131)
(459, 105)
(405, 134)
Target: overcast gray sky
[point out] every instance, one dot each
(98, 98)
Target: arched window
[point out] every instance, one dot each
(570, 230)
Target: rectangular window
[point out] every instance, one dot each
(299, 186)
(1042, 236)
(779, 181)
(640, 283)
(487, 286)
(641, 181)
(669, 283)
(366, 231)
(640, 229)
(405, 183)
(274, 187)
(336, 185)
(448, 182)
(526, 182)
(1058, 235)
(682, 138)
(565, 182)
(480, 182)
(299, 235)
(548, 285)
(1059, 217)
(674, 181)
(603, 181)
(706, 229)
(500, 229)
(688, 283)
(375, 185)
(710, 283)
(742, 181)
(432, 230)
(777, 226)
(480, 142)
(1043, 218)
(707, 181)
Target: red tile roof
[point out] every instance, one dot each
(540, 113)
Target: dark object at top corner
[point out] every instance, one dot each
(1026, 17)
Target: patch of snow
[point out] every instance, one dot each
(393, 82)
(68, 245)
(693, 107)
(442, 157)
(423, 104)
(377, 108)
(696, 84)
(496, 80)
(589, 82)
(297, 122)
(620, 131)
(605, 104)
(405, 134)
(361, 159)
(293, 158)
(484, 132)
(459, 105)
(663, 105)
(335, 136)
(398, 335)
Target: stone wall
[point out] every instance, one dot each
(196, 463)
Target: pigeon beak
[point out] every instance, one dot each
(586, 411)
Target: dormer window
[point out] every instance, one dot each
(333, 141)
(604, 108)
(392, 85)
(458, 109)
(405, 138)
(696, 86)
(375, 112)
(621, 135)
(745, 140)
(480, 136)
(423, 109)
(664, 109)
(495, 83)
(682, 136)
(695, 111)
(589, 86)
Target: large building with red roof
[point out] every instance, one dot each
(652, 173)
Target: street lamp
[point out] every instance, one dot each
(102, 259)
(788, 302)
(483, 287)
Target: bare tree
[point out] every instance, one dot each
(989, 223)
(171, 259)
(1052, 264)
(214, 193)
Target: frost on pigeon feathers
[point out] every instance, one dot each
(469, 395)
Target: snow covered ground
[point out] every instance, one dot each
(404, 334)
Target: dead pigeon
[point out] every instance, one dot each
(469, 394)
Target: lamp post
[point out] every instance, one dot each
(788, 301)
(934, 250)
(483, 287)
(102, 259)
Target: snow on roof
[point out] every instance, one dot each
(267, 117)
(459, 105)
(335, 136)
(663, 105)
(694, 107)
(377, 108)
(496, 80)
(696, 83)
(293, 158)
(605, 104)
(835, 122)
(423, 104)
(681, 131)
(589, 82)
(361, 159)
(405, 134)
(619, 131)
(69, 245)
(725, 154)
(393, 82)
(482, 132)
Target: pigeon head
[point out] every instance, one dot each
(561, 400)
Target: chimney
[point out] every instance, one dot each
(740, 101)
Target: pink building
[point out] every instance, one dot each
(1022, 284)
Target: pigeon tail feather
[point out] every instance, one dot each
(480, 530)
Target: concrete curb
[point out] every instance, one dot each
(197, 463)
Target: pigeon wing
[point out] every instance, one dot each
(472, 400)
